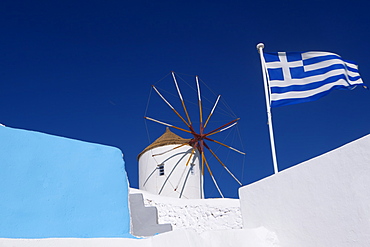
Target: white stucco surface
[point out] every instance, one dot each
(259, 237)
(178, 179)
(198, 214)
(324, 201)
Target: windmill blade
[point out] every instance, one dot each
(218, 159)
(199, 102)
(166, 124)
(192, 153)
(234, 149)
(213, 109)
(168, 103)
(221, 127)
(182, 100)
(213, 178)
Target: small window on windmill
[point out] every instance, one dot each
(161, 169)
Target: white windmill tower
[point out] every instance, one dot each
(174, 166)
(170, 167)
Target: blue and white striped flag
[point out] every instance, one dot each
(296, 77)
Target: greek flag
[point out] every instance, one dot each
(297, 77)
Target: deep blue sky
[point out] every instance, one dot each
(83, 70)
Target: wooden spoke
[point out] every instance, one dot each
(211, 113)
(169, 125)
(199, 102)
(192, 153)
(181, 99)
(221, 127)
(213, 178)
(218, 159)
(173, 109)
(234, 149)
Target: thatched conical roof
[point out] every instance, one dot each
(167, 138)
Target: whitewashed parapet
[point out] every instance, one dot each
(324, 201)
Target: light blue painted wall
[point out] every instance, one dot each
(57, 187)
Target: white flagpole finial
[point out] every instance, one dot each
(260, 46)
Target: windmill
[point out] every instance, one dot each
(175, 166)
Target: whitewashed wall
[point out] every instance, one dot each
(198, 214)
(324, 201)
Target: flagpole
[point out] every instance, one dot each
(260, 47)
